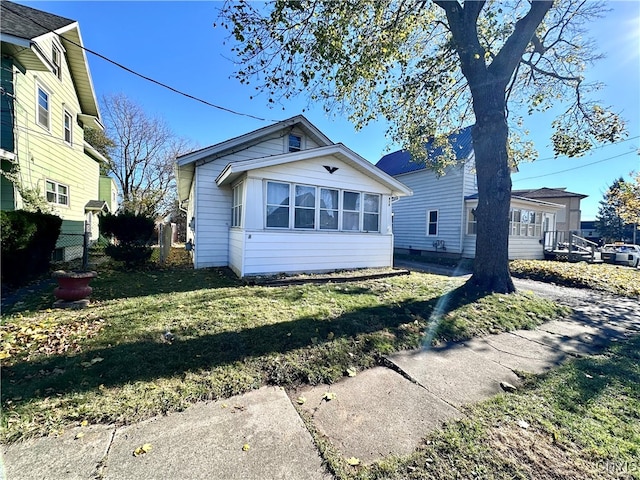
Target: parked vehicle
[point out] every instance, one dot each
(625, 254)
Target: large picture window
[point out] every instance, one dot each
(318, 208)
(57, 193)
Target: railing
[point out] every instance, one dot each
(569, 245)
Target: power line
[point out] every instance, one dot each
(147, 78)
(574, 168)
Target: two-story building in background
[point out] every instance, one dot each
(47, 101)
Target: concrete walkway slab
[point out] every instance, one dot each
(576, 344)
(376, 413)
(455, 373)
(206, 441)
(517, 353)
(73, 455)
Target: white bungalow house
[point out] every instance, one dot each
(284, 198)
(439, 217)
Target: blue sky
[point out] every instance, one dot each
(176, 43)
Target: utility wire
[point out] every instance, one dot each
(594, 148)
(574, 168)
(149, 79)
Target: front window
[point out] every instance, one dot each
(305, 209)
(68, 128)
(432, 222)
(351, 211)
(328, 209)
(43, 108)
(277, 205)
(236, 209)
(371, 218)
(57, 193)
(525, 223)
(295, 143)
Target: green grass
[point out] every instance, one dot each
(582, 421)
(616, 279)
(111, 363)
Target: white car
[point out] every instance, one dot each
(625, 254)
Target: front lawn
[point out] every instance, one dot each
(113, 362)
(620, 280)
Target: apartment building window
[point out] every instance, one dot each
(43, 108)
(57, 193)
(68, 127)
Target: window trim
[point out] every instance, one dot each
(66, 113)
(429, 223)
(57, 193)
(237, 204)
(317, 209)
(41, 88)
(470, 222)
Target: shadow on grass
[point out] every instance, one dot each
(148, 358)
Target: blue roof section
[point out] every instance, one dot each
(399, 162)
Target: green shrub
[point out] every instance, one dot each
(28, 238)
(132, 234)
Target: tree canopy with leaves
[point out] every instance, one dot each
(612, 221)
(429, 68)
(141, 150)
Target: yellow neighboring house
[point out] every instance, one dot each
(47, 101)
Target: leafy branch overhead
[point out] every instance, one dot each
(400, 61)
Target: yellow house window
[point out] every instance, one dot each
(55, 57)
(43, 108)
(57, 193)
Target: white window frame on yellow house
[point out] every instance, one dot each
(54, 195)
(41, 88)
(67, 114)
(56, 60)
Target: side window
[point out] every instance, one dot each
(236, 212)
(68, 127)
(43, 108)
(56, 60)
(57, 193)
(371, 220)
(432, 222)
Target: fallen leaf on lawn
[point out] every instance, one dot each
(523, 424)
(328, 396)
(301, 400)
(96, 360)
(79, 435)
(147, 447)
(86, 364)
(84, 423)
(245, 447)
(351, 371)
(353, 461)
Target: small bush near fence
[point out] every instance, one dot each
(132, 234)
(28, 238)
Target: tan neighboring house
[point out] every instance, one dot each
(47, 101)
(568, 219)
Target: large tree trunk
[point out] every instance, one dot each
(490, 137)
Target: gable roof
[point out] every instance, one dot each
(21, 27)
(546, 192)
(256, 136)
(399, 162)
(233, 170)
(16, 21)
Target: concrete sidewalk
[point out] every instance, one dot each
(382, 411)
